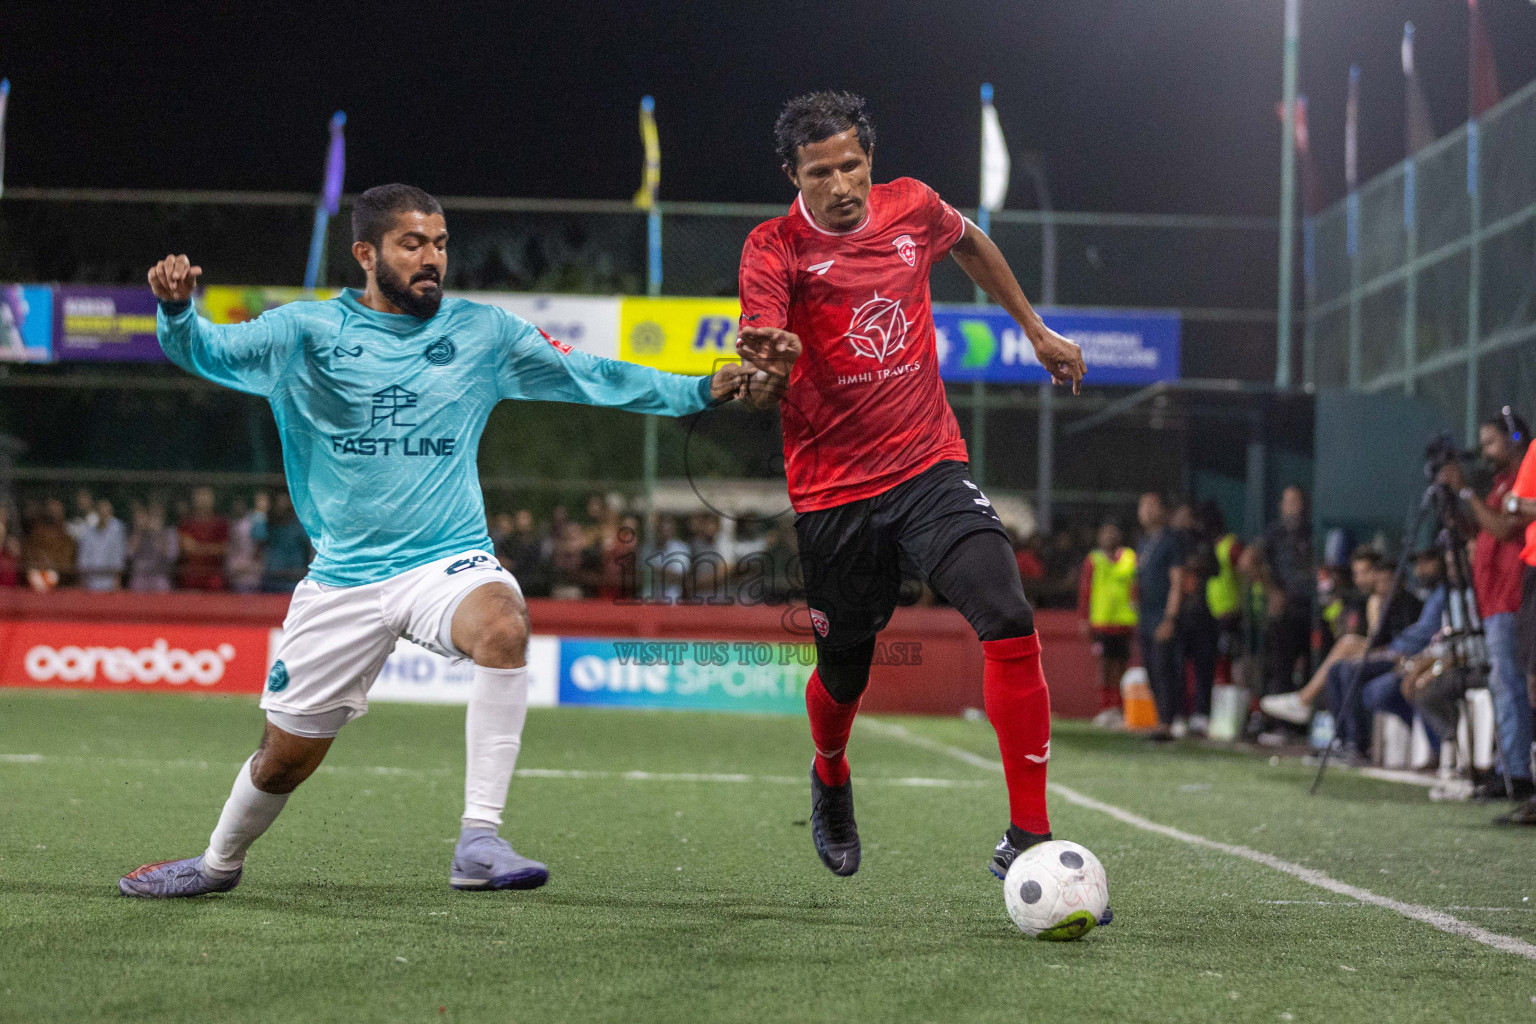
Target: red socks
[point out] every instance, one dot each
(1019, 707)
(831, 723)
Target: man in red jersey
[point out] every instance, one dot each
(837, 318)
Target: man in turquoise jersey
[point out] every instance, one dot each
(380, 398)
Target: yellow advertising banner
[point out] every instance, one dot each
(234, 304)
(679, 335)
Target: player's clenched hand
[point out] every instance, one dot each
(173, 278)
(1062, 359)
(769, 349)
(730, 381)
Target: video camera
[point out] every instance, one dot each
(1441, 451)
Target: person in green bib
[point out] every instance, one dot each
(1106, 601)
(1224, 591)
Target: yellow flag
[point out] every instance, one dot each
(650, 177)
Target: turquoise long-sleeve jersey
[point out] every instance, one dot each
(380, 414)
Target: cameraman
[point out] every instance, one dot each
(1497, 578)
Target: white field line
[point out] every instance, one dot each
(1434, 918)
(522, 773)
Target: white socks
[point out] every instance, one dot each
(493, 733)
(247, 814)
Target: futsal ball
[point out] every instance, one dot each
(1056, 891)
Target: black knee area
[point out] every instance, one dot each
(1003, 620)
(845, 671)
(980, 577)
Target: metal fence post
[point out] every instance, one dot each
(652, 440)
(1474, 282)
(1352, 248)
(1411, 283)
(1287, 196)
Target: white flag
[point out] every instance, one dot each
(994, 160)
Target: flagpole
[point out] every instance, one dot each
(5, 95)
(330, 199)
(1287, 196)
(650, 184)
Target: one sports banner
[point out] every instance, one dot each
(235, 304)
(679, 335)
(1119, 348)
(703, 675)
(414, 675)
(26, 323)
(590, 323)
(134, 656)
(106, 323)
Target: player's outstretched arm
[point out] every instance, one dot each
(248, 357)
(983, 263)
(539, 368)
(769, 354)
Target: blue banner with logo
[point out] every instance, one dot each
(695, 675)
(1120, 348)
(26, 323)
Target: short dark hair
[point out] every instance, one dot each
(375, 210)
(1366, 553)
(1506, 422)
(816, 116)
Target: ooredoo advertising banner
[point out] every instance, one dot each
(26, 323)
(134, 656)
(112, 323)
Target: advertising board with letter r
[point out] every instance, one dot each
(692, 336)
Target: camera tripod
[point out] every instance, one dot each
(1461, 625)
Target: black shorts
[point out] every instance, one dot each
(1114, 646)
(854, 556)
(1525, 623)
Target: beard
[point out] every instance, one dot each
(397, 289)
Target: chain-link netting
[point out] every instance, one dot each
(1468, 237)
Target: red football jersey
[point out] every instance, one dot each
(865, 408)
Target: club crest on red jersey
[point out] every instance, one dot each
(907, 249)
(878, 329)
(819, 620)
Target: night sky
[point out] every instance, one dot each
(1139, 105)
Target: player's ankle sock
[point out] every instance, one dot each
(247, 814)
(493, 733)
(831, 723)
(1023, 839)
(1019, 707)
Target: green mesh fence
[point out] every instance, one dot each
(1438, 295)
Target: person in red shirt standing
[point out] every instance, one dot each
(204, 540)
(1497, 577)
(837, 319)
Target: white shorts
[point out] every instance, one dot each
(336, 639)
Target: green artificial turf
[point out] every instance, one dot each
(701, 899)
